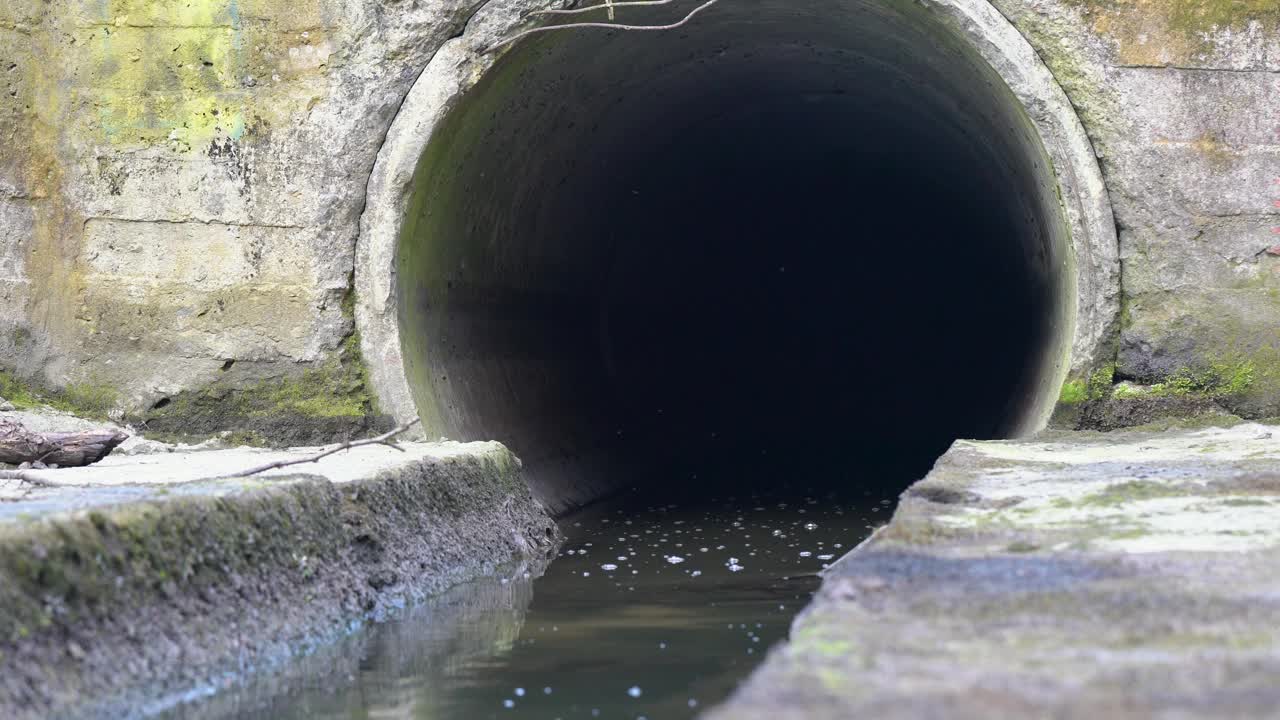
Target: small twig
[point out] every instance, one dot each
(383, 439)
(611, 26)
(26, 477)
(591, 8)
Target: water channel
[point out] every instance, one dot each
(649, 610)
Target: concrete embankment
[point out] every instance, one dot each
(1076, 575)
(137, 579)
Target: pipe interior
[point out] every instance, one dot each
(795, 241)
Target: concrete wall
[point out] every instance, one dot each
(182, 182)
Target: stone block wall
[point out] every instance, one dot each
(1181, 99)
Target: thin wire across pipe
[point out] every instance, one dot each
(610, 26)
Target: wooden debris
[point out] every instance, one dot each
(18, 445)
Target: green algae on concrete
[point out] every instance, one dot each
(314, 405)
(1172, 32)
(89, 399)
(1218, 391)
(1117, 575)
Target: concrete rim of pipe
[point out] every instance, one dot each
(1091, 270)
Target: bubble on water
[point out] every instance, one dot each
(586, 574)
(735, 568)
(732, 561)
(675, 559)
(519, 692)
(693, 703)
(811, 526)
(608, 566)
(778, 533)
(546, 691)
(508, 703)
(695, 573)
(805, 553)
(825, 557)
(634, 691)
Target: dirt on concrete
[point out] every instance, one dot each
(1076, 575)
(114, 596)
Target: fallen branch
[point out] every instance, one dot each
(383, 439)
(609, 25)
(19, 445)
(26, 477)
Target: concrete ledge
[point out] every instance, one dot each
(142, 582)
(1076, 575)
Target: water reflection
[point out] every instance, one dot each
(649, 612)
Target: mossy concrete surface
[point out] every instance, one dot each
(138, 580)
(1209, 393)
(1074, 575)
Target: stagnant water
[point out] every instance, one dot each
(648, 611)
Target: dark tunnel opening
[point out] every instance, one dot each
(789, 242)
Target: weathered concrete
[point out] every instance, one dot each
(1074, 575)
(1091, 264)
(501, 298)
(185, 200)
(137, 578)
(1180, 100)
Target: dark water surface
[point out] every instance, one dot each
(649, 611)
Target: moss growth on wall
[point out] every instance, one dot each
(177, 73)
(1168, 31)
(1192, 17)
(328, 401)
(1095, 387)
(87, 399)
(1215, 393)
(1073, 392)
(16, 392)
(1218, 379)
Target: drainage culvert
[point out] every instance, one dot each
(796, 237)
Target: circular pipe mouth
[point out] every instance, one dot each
(797, 241)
